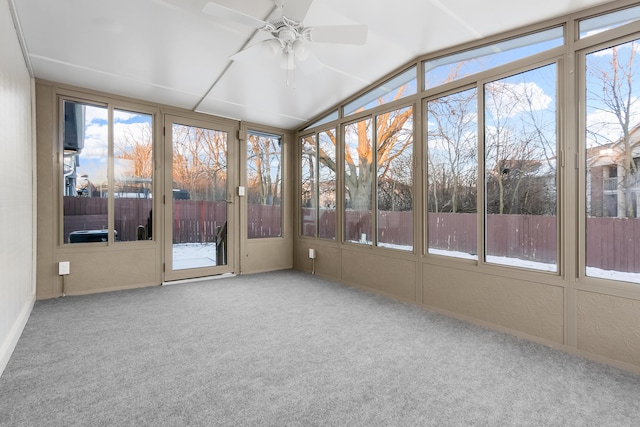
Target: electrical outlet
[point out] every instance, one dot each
(64, 268)
(312, 253)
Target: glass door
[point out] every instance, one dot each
(198, 200)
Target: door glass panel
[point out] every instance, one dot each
(199, 199)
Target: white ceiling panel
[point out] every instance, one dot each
(171, 52)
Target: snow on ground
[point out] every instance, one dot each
(197, 255)
(515, 262)
(193, 255)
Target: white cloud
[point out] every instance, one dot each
(606, 125)
(509, 99)
(92, 114)
(95, 141)
(624, 48)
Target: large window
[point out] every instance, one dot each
(358, 181)
(87, 183)
(133, 174)
(612, 155)
(598, 24)
(400, 86)
(382, 167)
(264, 185)
(520, 147)
(452, 166)
(309, 186)
(394, 166)
(449, 68)
(318, 185)
(496, 138)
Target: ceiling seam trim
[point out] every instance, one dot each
(23, 43)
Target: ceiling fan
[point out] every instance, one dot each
(288, 37)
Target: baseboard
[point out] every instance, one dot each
(9, 344)
(199, 279)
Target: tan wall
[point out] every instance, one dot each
(269, 254)
(609, 326)
(96, 268)
(123, 265)
(533, 308)
(605, 327)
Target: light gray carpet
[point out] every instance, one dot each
(286, 348)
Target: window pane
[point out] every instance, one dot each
(133, 175)
(453, 67)
(520, 161)
(308, 187)
(394, 139)
(86, 186)
(327, 184)
(452, 144)
(264, 185)
(402, 85)
(598, 24)
(612, 163)
(326, 119)
(358, 179)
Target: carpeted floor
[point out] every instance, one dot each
(286, 348)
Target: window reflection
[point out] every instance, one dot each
(612, 156)
(264, 185)
(358, 178)
(394, 153)
(452, 144)
(520, 170)
(85, 173)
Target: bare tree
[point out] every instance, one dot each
(135, 144)
(199, 161)
(612, 75)
(452, 150)
(264, 162)
(520, 145)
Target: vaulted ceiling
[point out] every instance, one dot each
(171, 52)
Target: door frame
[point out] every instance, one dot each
(233, 207)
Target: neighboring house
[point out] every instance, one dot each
(606, 180)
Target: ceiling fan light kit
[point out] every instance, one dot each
(289, 37)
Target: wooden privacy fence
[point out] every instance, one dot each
(614, 244)
(611, 243)
(193, 221)
(196, 221)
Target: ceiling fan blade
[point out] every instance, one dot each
(309, 65)
(266, 49)
(341, 34)
(294, 9)
(214, 9)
